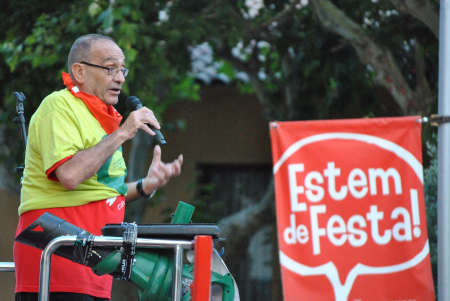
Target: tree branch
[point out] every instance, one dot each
(240, 227)
(422, 87)
(212, 7)
(381, 59)
(424, 10)
(279, 18)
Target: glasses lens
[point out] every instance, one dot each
(113, 71)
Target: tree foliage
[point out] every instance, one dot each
(305, 60)
(36, 38)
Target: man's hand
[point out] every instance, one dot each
(158, 175)
(138, 120)
(159, 172)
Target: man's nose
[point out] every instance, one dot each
(119, 77)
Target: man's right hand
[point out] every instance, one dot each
(138, 120)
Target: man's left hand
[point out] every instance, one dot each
(159, 172)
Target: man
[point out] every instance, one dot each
(74, 167)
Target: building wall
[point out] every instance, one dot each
(8, 223)
(225, 127)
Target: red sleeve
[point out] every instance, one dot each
(51, 171)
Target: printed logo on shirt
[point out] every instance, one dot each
(111, 201)
(119, 163)
(113, 172)
(121, 205)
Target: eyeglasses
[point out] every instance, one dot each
(111, 70)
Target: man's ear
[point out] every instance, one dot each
(79, 73)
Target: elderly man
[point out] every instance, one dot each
(74, 167)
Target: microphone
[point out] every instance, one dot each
(133, 103)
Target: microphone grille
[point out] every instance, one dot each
(133, 103)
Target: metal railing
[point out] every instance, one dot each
(7, 267)
(177, 245)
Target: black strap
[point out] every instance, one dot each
(82, 251)
(128, 251)
(140, 190)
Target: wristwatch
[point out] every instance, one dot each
(141, 191)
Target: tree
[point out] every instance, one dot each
(412, 98)
(303, 60)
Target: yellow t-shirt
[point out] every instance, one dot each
(62, 126)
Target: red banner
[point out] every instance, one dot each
(351, 210)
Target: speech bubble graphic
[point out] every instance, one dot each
(367, 209)
(341, 291)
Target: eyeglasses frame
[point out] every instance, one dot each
(124, 70)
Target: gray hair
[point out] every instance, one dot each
(81, 49)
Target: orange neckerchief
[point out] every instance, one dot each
(107, 116)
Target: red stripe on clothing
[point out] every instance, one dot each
(51, 171)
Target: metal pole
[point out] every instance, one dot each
(177, 273)
(7, 267)
(444, 155)
(44, 277)
(178, 245)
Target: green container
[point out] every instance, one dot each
(152, 269)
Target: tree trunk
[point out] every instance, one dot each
(424, 10)
(239, 227)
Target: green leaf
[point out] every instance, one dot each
(30, 40)
(311, 67)
(94, 9)
(227, 69)
(333, 84)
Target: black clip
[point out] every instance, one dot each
(435, 120)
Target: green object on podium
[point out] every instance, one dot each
(152, 269)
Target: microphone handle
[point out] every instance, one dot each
(159, 137)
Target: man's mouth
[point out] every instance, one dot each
(115, 90)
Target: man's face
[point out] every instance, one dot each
(98, 82)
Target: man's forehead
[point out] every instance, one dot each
(106, 50)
